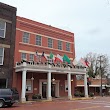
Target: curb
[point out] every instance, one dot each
(84, 98)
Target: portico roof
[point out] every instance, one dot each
(46, 67)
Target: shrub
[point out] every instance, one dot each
(91, 94)
(36, 96)
(77, 94)
(82, 95)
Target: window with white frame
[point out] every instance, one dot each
(2, 28)
(67, 46)
(1, 55)
(38, 40)
(26, 37)
(29, 86)
(59, 45)
(50, 43)
(31, 57)
(23, 56)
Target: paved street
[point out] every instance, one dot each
(100, 103)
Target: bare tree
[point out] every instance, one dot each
(97, 63)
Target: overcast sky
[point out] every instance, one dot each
(89, 20)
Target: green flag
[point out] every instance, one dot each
(66, 58)
(51, 55)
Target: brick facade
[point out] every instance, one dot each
(45, 31)
(8, 14)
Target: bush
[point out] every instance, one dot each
(91, 94)
(77, 94)
(82, 95)
(36, 96)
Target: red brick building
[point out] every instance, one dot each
(33, 74)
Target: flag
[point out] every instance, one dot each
(75, 62)
(36, 54)
(66, 58)
(87, 63)
(52, 56)
(59, 58)
(84, 62)
(43, 55)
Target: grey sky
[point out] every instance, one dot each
(89, 20)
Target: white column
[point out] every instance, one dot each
(49, 86)
(69, 86)
(85, 86)
(23, 99)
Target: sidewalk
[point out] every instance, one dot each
(58, 99)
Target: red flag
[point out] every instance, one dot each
(43, 55)
(84, 62)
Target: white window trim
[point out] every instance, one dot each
(4, 30)
(67, 47)
(61, 45)
(23, 35)
(31, 85)
(33, 57)
(25, 58)
(3, 57)
(36, 40)
(51, 42)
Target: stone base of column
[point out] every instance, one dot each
(23, 100)
(86, 96)
(49, 98)
(70, 97)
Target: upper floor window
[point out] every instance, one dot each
(50, 42)
(23, 56)
(31, 57)
(67, 46)
(60, 45)
(26, 37)
(38, 40)
(1, 55)
(2, 28)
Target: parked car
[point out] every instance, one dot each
(8, 96)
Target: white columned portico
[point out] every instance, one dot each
(49, 97)
(23, 99)
(85, 85)
(69, 86)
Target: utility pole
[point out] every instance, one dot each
(101, 60)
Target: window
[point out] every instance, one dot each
(1, 56)
(38, 40)
(29, 86)
(50, 42)
(26, 37)
(60, 45)
(2, 28)
(67, 46)
(2, 83)
(23, 56)
(31, 57)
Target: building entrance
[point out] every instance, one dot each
(44, 89)
(53, 90)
